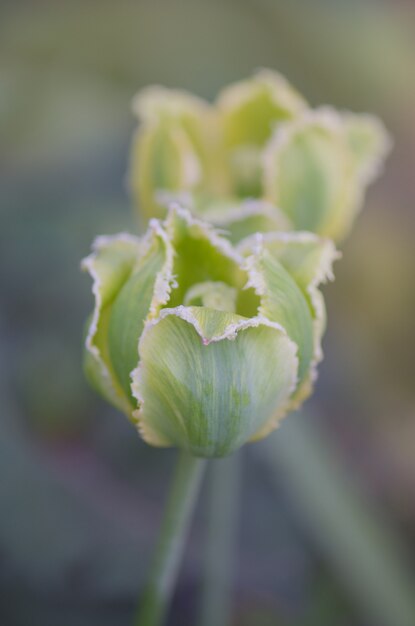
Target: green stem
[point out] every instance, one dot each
(223, 496)
(168, 552)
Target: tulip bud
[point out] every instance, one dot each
(205, 346)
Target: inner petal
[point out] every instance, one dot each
(214, 295)
(204, 257)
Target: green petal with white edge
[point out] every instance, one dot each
(174, 147)
(146, 290)
(209, 380)
(109, 265)
(309, 173)
(308, 259)
(250, 108)
(282, 301)
(317, 168)
(249, 111)
(179, 109)
(162, 158)
(369, 142)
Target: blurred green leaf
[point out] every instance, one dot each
(359, 546)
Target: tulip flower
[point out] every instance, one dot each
(205, 345)
(258, 160)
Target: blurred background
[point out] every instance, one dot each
(326, 534)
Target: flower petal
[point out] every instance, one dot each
(283, 302)
(369, 142)
(308, 171)
(239, 220)
(162, 158)
(109, 265)
(317, 167)
(208, 380)
(146, 290)
(235, 218)
(308, 259)
(171, 151)
(249, 111)
(250, 108)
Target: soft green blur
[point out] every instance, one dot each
(80, 496)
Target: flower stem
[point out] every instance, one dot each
(168, 552)
(223, 500)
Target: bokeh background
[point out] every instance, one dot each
(326, 531)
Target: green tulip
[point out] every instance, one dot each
(259, 159)
(204, 345)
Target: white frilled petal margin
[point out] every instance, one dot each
(200, 229)
(308, 259)
(317, 167)
(209, 380)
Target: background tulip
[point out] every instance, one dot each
(258, 160)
